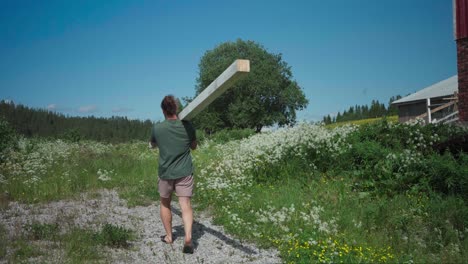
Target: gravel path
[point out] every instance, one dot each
(91, 211)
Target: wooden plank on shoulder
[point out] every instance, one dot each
(238, 69)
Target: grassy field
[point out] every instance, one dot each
(376, 193)
(392, 119)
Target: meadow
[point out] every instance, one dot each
(380, 192)
(392, 119)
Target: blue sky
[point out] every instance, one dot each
(107, 58)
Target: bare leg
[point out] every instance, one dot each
(187, 218)
(166, 217)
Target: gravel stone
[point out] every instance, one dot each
(92, 211)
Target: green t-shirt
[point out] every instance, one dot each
(173, 138)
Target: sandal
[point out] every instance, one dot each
(163, 239)
(188, 249)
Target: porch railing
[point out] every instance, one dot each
(451, 106)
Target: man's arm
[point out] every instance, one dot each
(152, 142)
(193, 145)
(192, 134)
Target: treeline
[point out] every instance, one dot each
(32, 122)
(357, 112)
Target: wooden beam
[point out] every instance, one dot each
(437, 109)
(443, 106)
(447, 117)
(238, 69)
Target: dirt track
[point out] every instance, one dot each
(212, 244)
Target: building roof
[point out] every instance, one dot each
(446, 87)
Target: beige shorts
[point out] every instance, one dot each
(183, 187)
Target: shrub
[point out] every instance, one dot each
(82, 246)
(383, 132)
(114, 236)
(407, 135)
(224, 135)
(455, 145)
(367, 154)
(24, 250)
(201, 136)
(42, 231)
(3, 241)
(72, 135)
(447, 174)
(394, 158)
(8, 138)
(227, 135)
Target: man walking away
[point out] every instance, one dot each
(175, 138)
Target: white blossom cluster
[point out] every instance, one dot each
(312, 217)
(33, 159)
(236, 158)
(278, 218)
(105, 175)
(404, 159)
(234, 218)
(97, 148)
(2, 179)
(309, 213)
(139, 150)
(418, 141)
(229, 172)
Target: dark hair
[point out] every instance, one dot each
(169, 105)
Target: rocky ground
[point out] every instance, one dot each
(91, 211)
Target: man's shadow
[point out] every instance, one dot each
(198, 230)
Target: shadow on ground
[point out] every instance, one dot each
(199, 230)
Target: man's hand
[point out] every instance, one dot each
(152, 145)
(193, 145)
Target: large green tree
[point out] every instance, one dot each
(267, 95)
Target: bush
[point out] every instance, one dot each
(8, 138)
(39, 231)
(114, 236)
(394, 158)
(224, 135)
(71, 135)
(455, 145)
(367, 154)
(446, 174)
(407, 136)
(3, 242)
(24, 251)
(201, 136)
(227, 135)
(383, 132)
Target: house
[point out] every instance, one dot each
(435, 103)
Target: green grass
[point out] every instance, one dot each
(115, 236)
(131, 170)
(22, 250)
(304, 192)
(385, 229)
(133, 176)
(363, 198)
(383, 209)
(3, 242)
(81, 246)
(393, 119)
(38, 231)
